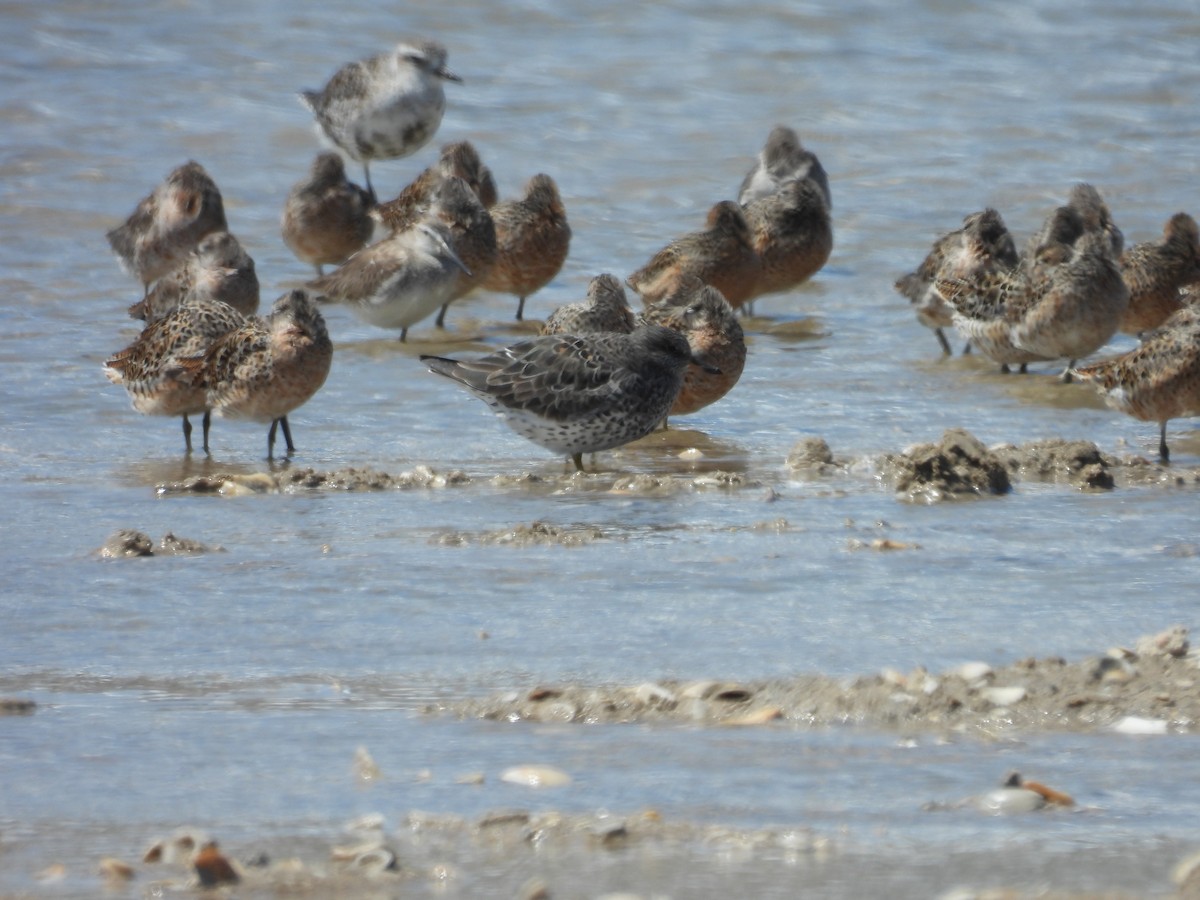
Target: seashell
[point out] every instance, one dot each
(1140, 725)
(375, 861)
(535, 776)
(1006, 800)
(757, 717)
(1004, 696)
(650, 694)
(113, 869)
(973, 671)
(346, 854)
(504, 817)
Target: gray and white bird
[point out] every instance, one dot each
(387, 106)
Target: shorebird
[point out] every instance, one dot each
(267, 367)
(386, 106)
(326, 218)
(783, 160)
(459, 160)
(579, 394)
(792, 235)
(1065, 301)
(699, 312)
(1158, 380)
(605, 309)
(472, 236)
(397, 282)
(983, 244)
(1155, 272)
(722, 255)
(217, 269)
(532, 241)
(1083, 307)
(151, 371)
(167, 224)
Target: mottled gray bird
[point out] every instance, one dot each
(387, 106)
(579, 394)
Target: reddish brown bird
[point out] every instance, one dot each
(721, 255)
(532, 241)
(326, 218)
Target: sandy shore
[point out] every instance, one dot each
(1151, 687)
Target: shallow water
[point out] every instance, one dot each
(231, 690)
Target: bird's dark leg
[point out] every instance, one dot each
(404, 335)
(367, 175)
(577, 458)
(1004, 368)
(1024, 367)
(271, 439)
(440, 322)
(287, 434)
(206, 425)
(942, 340)
(187, 433)
(1163, 453)
(520, 309)
(1067, 378)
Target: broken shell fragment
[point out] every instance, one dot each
(535, 776)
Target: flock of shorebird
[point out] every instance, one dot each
(1067, 295)
(598, 376)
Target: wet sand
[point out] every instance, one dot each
(1147, 688)
(1152, 687)
(959, 465)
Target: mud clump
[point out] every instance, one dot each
(812, 456)
(533, 534)
(129, 543)
(1079, 463)
(294, 481)
(354, 479)
(958, 465)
